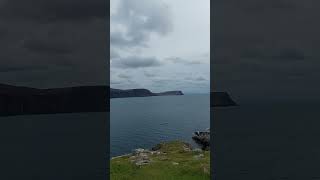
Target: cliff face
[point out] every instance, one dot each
(221, 99)
(118, 93)
(170, 93)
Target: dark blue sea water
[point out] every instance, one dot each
(54, 146)
(279, 140)
(146, 121)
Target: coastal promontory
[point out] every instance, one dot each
(119, 93)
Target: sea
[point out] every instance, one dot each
(273, 140)
(255, 140)
(54, 146)
(143, 122)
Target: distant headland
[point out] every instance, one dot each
(218, 99)
(119, 93)
(19, 100)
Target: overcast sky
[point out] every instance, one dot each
(160, 45)
(267, 49)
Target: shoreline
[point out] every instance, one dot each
(151, 150)
(115, 157)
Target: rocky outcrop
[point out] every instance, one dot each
(160, 152)
(119, 93)
(202, 138)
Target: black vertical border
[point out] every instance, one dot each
(212, 127)
(108, 84)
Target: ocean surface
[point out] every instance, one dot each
(267, 141)
(54, 146)
(143, 122)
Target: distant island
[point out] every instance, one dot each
(119, 93)
(218, 99)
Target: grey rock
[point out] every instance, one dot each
(198, 150)
(198, 157)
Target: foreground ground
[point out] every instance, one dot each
(172, 160)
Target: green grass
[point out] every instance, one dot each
(162, 167)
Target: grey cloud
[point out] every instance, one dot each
(164, 82)
(201, 78)
(148, 74)
(114, 82)
(124, 76)
(178, 60)
(113, 54)
(137, 62)
(117, 39)
(198, 78)
(140, 18)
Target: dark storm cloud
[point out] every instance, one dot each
(139, 18)
(137, 62)
(266, 48)
(48, 43)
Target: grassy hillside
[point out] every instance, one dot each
(172, 160)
